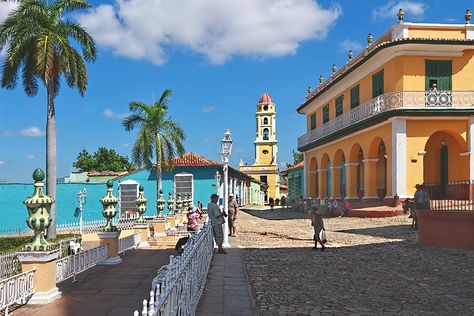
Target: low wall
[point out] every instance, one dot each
(451, 229)
(92, 240)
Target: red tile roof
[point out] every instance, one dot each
(192, 159)
(295, 166)
(265, 98)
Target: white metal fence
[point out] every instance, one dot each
(9, 265)
(389, 102)
(74, 264)
(128, 242)
(90, 227)
(16, 289)
(178, 286)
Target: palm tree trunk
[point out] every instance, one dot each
(51, 160)
(159, 185)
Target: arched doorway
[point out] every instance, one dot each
(443, 164)
(378, 159)
(313, 178)
(340, 174)
(325, 176)
(357, 175)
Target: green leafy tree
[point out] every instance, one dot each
(102, 160)
(297, 157)
(39, 39)
(159, 137)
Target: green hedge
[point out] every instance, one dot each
(10, 244)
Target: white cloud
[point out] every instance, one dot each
(5, 8)
(125, 145)
(108, 113)
(2, 163)
(30, 157)
(413, 9)
(347, 45)
(31, 132)
(7, 134)
(143, 29)
(208, 109)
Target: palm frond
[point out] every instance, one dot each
(74, 30)
(132, 120)
(165, 98)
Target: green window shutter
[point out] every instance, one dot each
(339, 105)
(377, 84)
(355, 101)
(313, 121)
(439, 72)
(326, 113)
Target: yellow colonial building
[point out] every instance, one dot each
(265, 169)
(399, 113)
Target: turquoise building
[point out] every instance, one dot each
(193, 174)
(294, 177)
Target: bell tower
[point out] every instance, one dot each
(266, 144)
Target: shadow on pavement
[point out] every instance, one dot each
(392, 231)
(277, 214)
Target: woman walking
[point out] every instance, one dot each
(318, 224)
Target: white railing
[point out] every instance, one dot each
(74, 264)
(128, 242)
(389, 102)
(9, 265)
(16, 290)
(91, 227)
(178, 286)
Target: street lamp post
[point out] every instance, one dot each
(226, 146)
(81, 199)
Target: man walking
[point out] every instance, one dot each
(233, 210)
(217, 219)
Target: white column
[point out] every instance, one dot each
(399, 157)
(471, 148)
(305, 175)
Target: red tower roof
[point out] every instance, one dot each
(265, 98)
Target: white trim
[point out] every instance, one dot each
(421, 153)
(414, 25)
(466, 153)
(370, 160)
(469, 31)
(335, 167)
(305, 172)
(399, 154)
(184, 174)
(322, 170)
(351, 164)
(471, 147)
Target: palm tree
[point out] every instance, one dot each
(37, 41)
(159, 136)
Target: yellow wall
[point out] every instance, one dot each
(437, 33)
(265, 159)
(418, 133)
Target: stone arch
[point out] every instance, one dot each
(444, 163)
(356, 176)
(325, 176)
(313, 178)
(339, 173)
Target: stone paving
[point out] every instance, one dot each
(107, 290)
(370, 267)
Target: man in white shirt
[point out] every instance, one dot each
(216, 218)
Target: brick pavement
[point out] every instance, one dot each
(107, 290)
(227, 292)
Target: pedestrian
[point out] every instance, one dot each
(426, 196)
(233, 210)
(283, 201)
(271, 201)
(346, 207)
(419, 198)
(318, 225)
(217, 219)
(333, 206)
(193, 217)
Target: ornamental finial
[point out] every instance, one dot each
(468, 16)
(369, 39)
(400, 16)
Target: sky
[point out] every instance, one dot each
(218, 57)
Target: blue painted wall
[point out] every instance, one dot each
(14, 214)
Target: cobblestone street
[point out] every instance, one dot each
(370, 267)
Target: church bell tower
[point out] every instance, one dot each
(266, 144)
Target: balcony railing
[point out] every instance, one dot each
(388, 102)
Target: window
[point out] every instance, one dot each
(265, 121)
(355, 101)
(263, 179)
(265, 107)
(326, 113)
(265, 134)
(183, 184)
(265, 152)
(339, 105)
(377, 84)
(128, 193)
(313, 121)
(438, 72)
